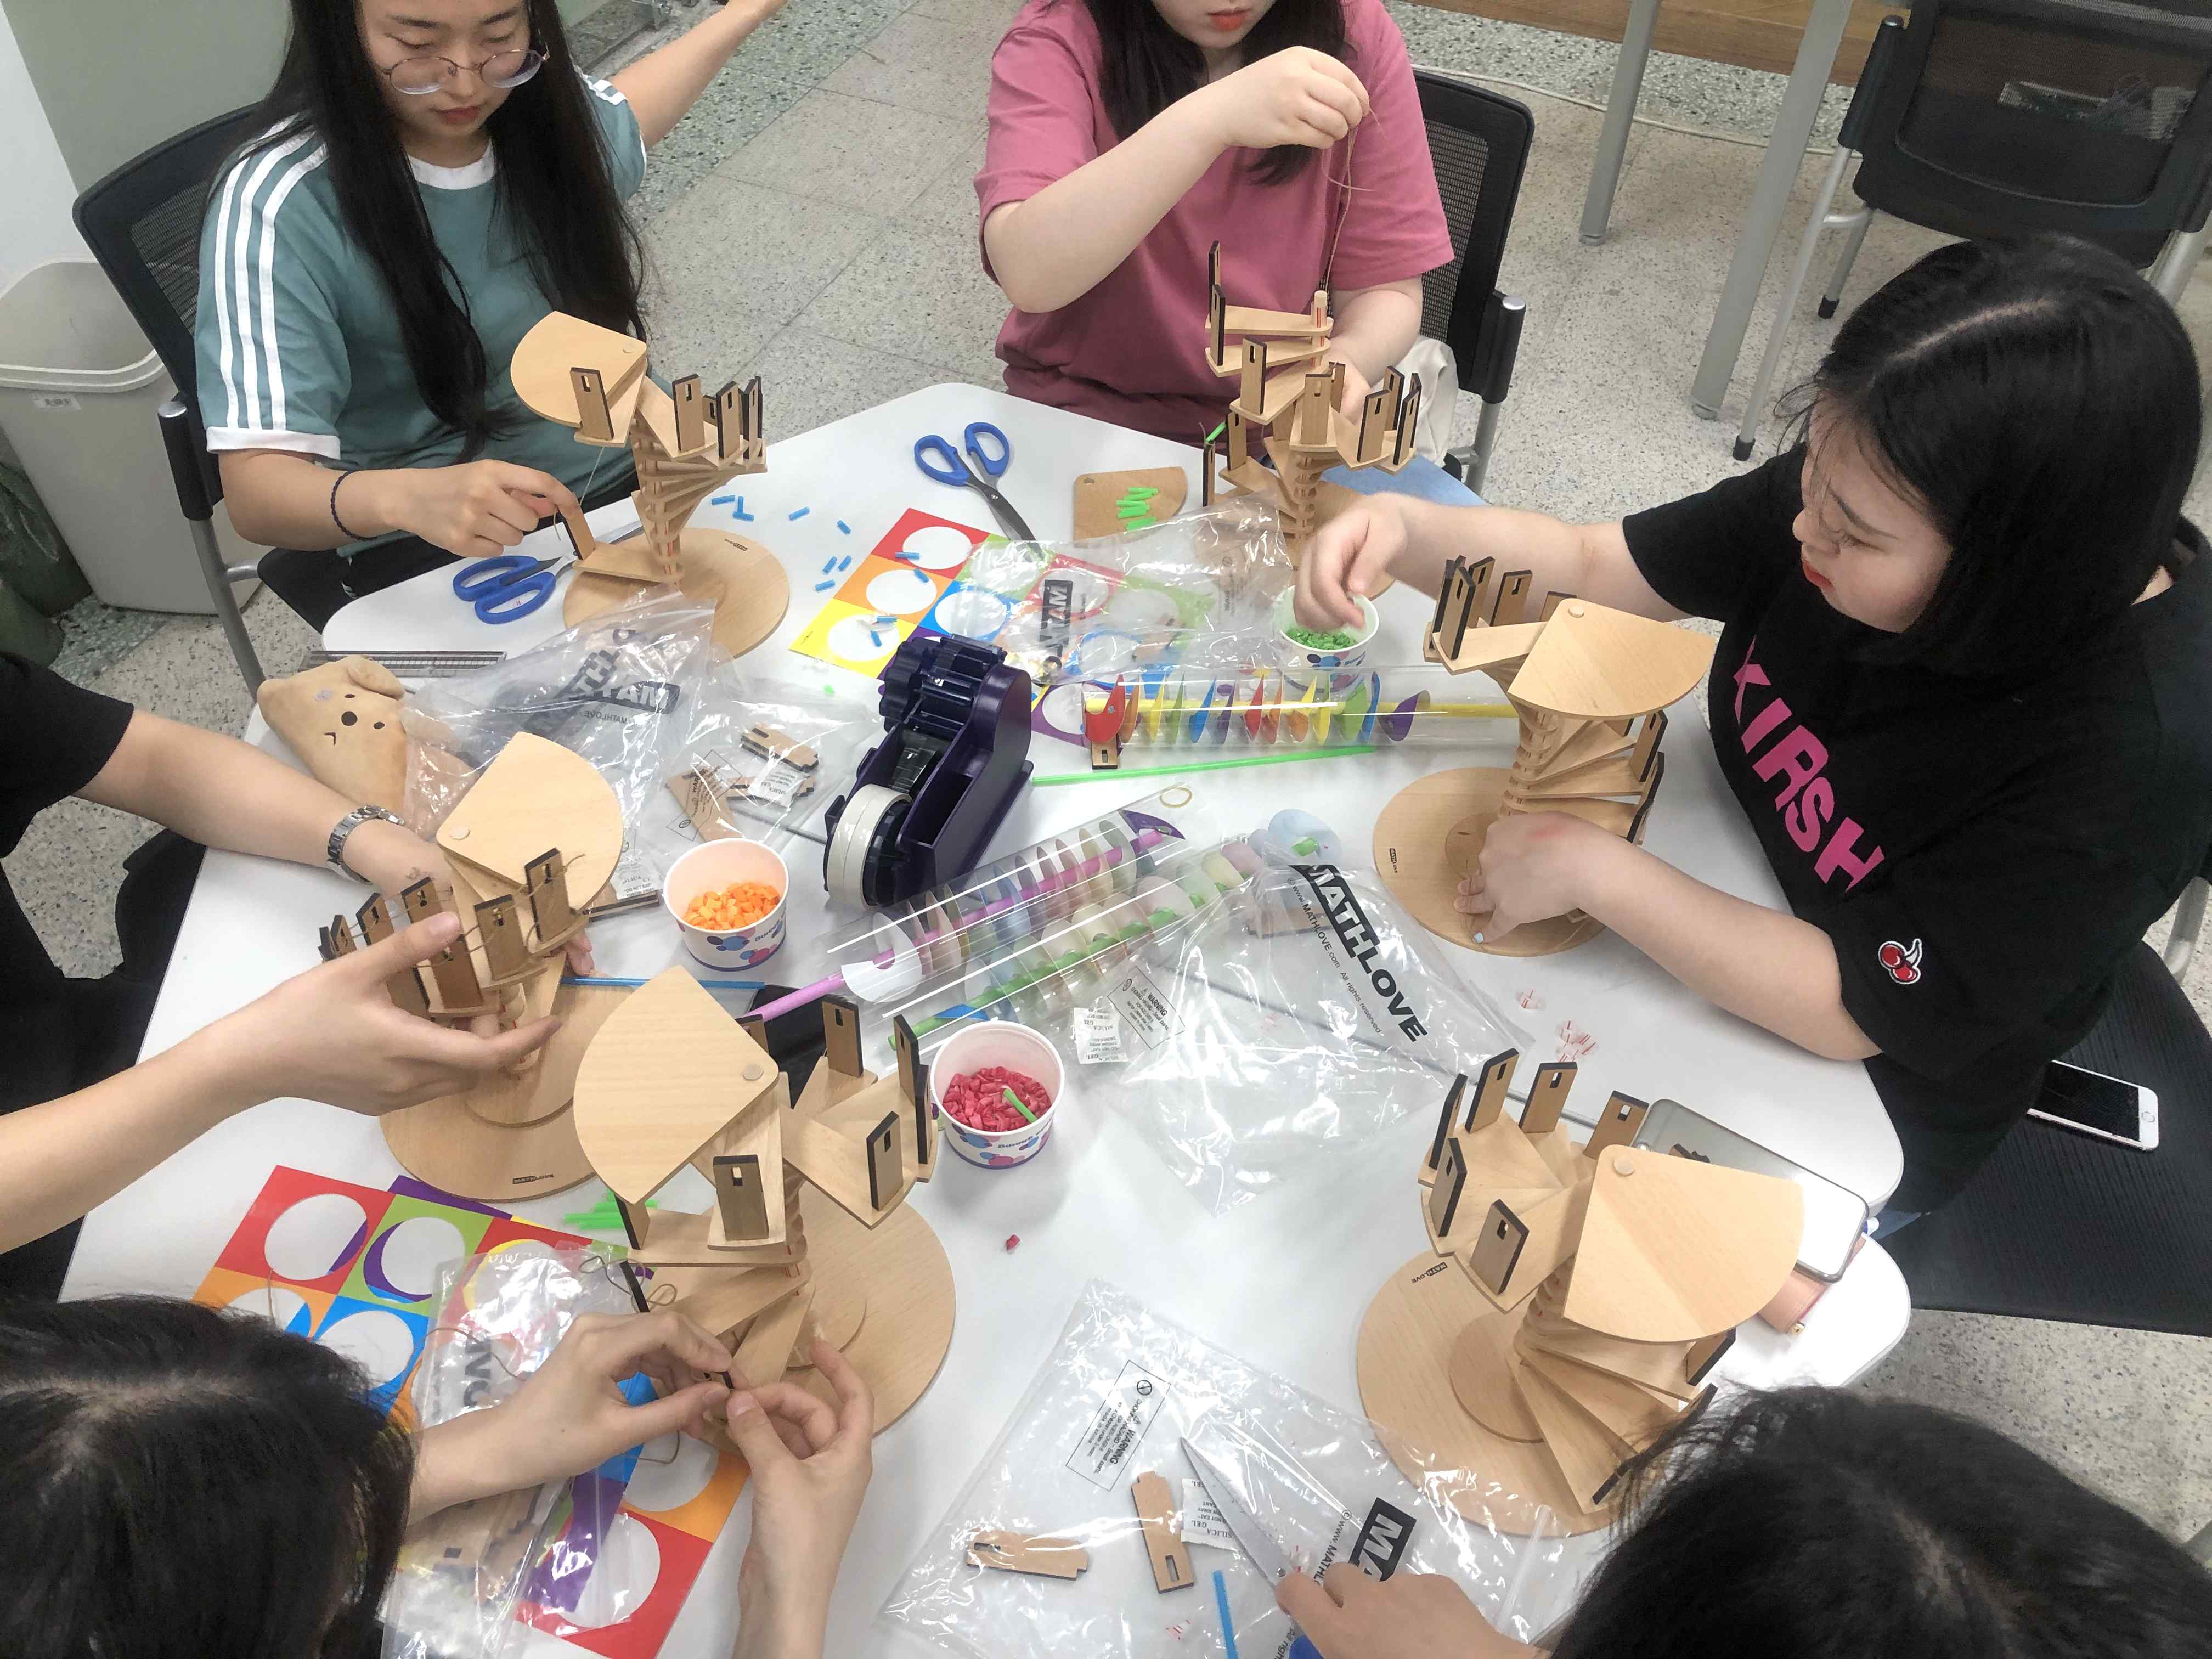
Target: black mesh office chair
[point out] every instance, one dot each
(142, 224)
(1478, 143)
(2005, 118)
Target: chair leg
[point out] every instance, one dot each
(1754, 406)
(219, 577)
(2177, 263)
(1485, 442)
(2188, 924)
(1856, 239)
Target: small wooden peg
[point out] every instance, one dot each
(1043, 1557)
(1156, 1512)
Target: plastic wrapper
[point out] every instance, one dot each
(620, 690)
(1115, 1400)
(740, 767)
(463, 1577)
(1307, 970)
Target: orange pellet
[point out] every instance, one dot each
(740, 904)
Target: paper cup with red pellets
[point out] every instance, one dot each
(748, 940)
(969, 1077)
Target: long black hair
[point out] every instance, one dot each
(1147, 65)
(182, 1481)
(2041, 403)
(554, 188)
(1817, 1523)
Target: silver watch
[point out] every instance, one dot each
(335, 849)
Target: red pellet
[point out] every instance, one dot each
(1012, 1239)
(978, 1099)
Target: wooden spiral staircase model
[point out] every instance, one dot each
(685, 445)
(1591, 686)
(1597, 1285)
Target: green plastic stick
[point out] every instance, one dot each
(1015, 1101)
(1204, 766)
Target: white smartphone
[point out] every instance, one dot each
(2109, 1107)
(1835, 1216)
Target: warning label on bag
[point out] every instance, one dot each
(1117, 1428)
(1147, 1017)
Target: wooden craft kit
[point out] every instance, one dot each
(685, 445)
(1597, 1285)
(1589, 686)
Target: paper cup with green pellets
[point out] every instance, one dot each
(1323, 649)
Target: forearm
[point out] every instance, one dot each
(1060, 244)
(455, 1462)
(1375, 326)
(662, 85)
(1590, 561)
(62, 1157)
(281, 500)
(771, 1633)
(224, 794)
(1766, 966)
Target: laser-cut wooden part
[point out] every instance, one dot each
(550, 355)
(1489, 1102)
(408, 993)
(340, 938)
(1163, 1545)
(840, 1036)
(1705, 1354)
(769, 744)
(1447, 1120)
(718, 1299)
(1633, 1414)
(745, 583)
(741, 1203)
(1482, 1381)
(500, 934)
(1673, 1250)
(854, 1172)
(1619, 1124)
(1445, 1192)
(1496, 1249)
(1589, 1454)
(1043, 1557)
(1547, 1096)
(534, 789)
(1098, 496)
(765, 1354)
(664, 1076)
(374, 919)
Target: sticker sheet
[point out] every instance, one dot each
(649, 1515)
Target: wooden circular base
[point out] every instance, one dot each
(744, 580)
(840, 1308)
(444, 1143)
(1429, 834)
(1482, 1378)
(907, 1291)
(1405, 1365)
(540, 1091)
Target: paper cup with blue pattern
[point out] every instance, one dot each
(709, 869)
(1298, 655)
(978, 1047)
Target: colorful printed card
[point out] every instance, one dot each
(643, 1521)
(912, 578)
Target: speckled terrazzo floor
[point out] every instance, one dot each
(817, 201)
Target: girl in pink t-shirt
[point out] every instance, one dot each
(1129, 136)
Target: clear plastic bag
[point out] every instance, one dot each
(1114, 1400)
(463, 1576)
(619, 691)
(1310, 971)
(763, 758)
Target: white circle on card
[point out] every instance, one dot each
(413, 1251)
(628, 1566)
(311, 1238)
(940, 547)
(902, 592)
(382, 1344)
(280, 1305)
(860, 639)
(670, 1472)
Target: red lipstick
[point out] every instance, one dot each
(1228, 22)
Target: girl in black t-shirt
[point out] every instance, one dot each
(1963, 691)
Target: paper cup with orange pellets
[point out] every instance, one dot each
(726, 897)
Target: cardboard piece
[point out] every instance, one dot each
(1163, 1545)
(341, 720)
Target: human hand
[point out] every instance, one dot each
(333, 1033)
(810, 1471)
(570, 1415)
(1295, 96)
(1414, 1615)
(392, 859)
(477, 508)
(1350, 554)
(1532, 866)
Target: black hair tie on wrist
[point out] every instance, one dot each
(335, 519)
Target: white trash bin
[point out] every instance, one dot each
(78, 388)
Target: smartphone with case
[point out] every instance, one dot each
(2109, 1108)
(1835, 1216)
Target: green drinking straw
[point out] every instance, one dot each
(1015, 1101)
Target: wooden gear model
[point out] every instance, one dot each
(1598, 1284)
(1287, 394)
(809, 1233)
(1580, 676)
(686, 444)
(510, 1135)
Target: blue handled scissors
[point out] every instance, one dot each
(936, 456)
(508, 586)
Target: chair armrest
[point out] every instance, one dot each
(1490, 376)
(199, 486)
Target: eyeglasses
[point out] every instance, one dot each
(418, 77)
